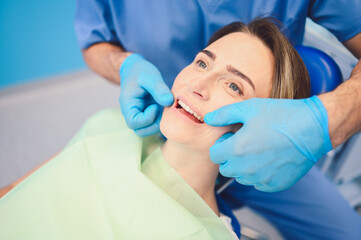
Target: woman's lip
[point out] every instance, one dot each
(183, 116)
(193, 108)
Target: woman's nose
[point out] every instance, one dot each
(202, 86)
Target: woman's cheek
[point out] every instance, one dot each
(166, 125)
(183, 77)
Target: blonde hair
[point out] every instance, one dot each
(290, 76)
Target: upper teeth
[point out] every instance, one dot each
(188, 109)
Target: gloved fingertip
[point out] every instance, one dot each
(208, 118)
(166, 99)
(215, 119)
(217, 154)
(218, 160)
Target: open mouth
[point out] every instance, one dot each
(188, 112)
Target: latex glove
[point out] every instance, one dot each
(143, 95)
(279, 142)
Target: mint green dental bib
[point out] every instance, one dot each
(106, 185)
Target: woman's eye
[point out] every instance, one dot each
(202, 64)
(235, 88)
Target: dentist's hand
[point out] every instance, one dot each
(143, 94)
(279, 142)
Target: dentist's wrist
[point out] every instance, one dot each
(322, 123)
(116, 59)
(343, 108)
(105, 59)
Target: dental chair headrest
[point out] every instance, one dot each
(325, 75)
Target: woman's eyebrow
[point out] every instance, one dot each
(238, 73)
(230, 68)
(209, 54)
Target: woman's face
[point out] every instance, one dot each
(234, 68)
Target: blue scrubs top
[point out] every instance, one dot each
(170, 33)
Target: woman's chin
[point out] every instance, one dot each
(178, 130)
(173, 130)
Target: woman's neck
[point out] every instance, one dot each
(195, 168)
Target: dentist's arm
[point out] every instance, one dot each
(343, 107)
(105, 59)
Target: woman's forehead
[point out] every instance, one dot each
(247, 53)
(239, 46)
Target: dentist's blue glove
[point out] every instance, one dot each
(279, 142)
(143, 94)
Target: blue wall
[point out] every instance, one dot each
(37, 40)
